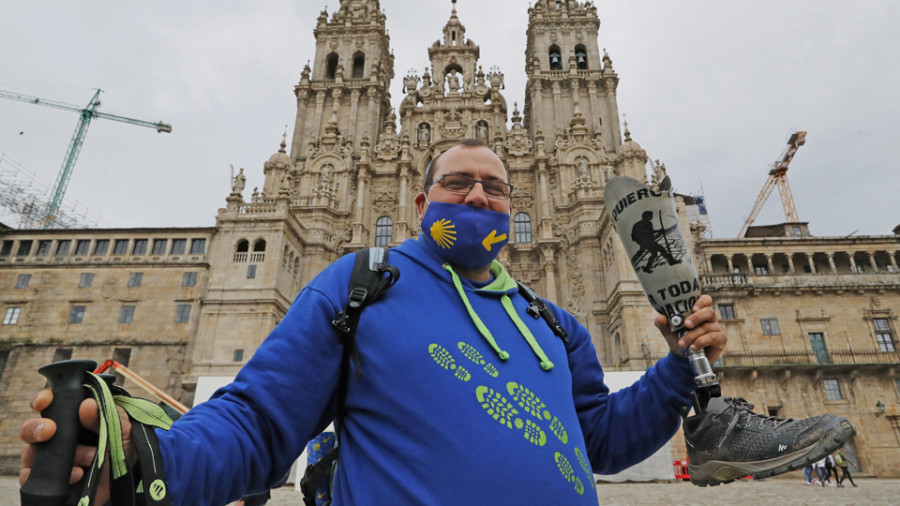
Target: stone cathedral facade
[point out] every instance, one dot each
(811, 320)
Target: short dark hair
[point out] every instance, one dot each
(432, 164)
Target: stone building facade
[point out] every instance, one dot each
(812, 321)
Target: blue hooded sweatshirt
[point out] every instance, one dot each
(463, 399)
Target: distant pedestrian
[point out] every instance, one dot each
(808, 474)
(820, 471)
(830, 469)
(840, 458)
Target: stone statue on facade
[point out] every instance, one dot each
(240, 181)
(424, 136)
(452, 81)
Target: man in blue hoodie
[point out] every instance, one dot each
(463, 397)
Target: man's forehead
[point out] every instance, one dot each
(467, 160)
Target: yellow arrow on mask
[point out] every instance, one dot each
(492, 239)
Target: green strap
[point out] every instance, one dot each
(546, 364)
(482, 328)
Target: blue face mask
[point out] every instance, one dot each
(464, 236)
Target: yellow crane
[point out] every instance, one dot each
(778, 176)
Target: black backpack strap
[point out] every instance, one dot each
(537, 308)
(367, 283)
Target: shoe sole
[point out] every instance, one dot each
(716, 472)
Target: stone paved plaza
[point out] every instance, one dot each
(782, 491)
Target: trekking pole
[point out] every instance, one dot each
(48, 483)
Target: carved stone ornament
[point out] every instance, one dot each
(385, 202)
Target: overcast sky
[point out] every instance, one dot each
(712, 89)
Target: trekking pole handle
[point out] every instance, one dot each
(48, 483)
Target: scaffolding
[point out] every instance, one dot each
(24, 199)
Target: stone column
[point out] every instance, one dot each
(402, 204)
(536, 105)
(359, 210)
(354, 109)
(548, 258)
(770, 264)
(299, 124)
(595, 111)
(831, 263)
(812, 264)
(872, 261)
(317, 121)
(613, 111)
(546, 231)
(893, 261)
(557, 106)
(852, 263)
(790, 259)
(730, 264)
(750, 270)
(373, 114)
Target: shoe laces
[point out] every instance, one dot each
(741, 409)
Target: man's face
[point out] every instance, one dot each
(477, 162)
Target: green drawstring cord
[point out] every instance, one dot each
(546, 364)
(485, 333)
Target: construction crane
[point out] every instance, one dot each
(86, 115)
(778, 176)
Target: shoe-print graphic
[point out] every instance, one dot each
(472, 354)
(568, 472)
(498, 407)
(583, 461)
(528, 401)
(556, 427)
(534, 433)
(443, 358)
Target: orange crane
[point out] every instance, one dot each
(778, 176)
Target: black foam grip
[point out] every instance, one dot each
(48, 483)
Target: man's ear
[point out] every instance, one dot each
(420, 201)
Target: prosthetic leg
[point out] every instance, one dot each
(647, 223)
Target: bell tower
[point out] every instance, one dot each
(569, 79)
(348, 85)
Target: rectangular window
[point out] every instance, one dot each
(24, 249)
(761, 270)
(62, 247)
(76, 315)
(726, 311)
(101, 246)
(140, 247)
(238, 355)
(832, 390)
(770, 327)
(126, 314)
(817, 343)
(182, 313)
(6, 250)
(4, 357)
(198, 246)
(82, 246)
(178, 246)
(134, 280)
(251, 271)
(190, 279)
(23, 280)
(87, 279)
(121, 247)
(43, 248)
(884, 335)
(12, 315)
(159, 246)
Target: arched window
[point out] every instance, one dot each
(581, 57)
(259, 246)
(296, 269)
(331, 63)
(384, 231)
(359, 65)
(522, 224)
(243, 246)
(555, 58)
(558, 4)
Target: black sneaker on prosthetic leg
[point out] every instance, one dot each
(730, 441)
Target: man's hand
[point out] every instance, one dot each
(37, 430)
(704, 331)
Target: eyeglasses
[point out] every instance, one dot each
(458, 183)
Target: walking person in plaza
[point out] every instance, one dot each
(840, 458)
